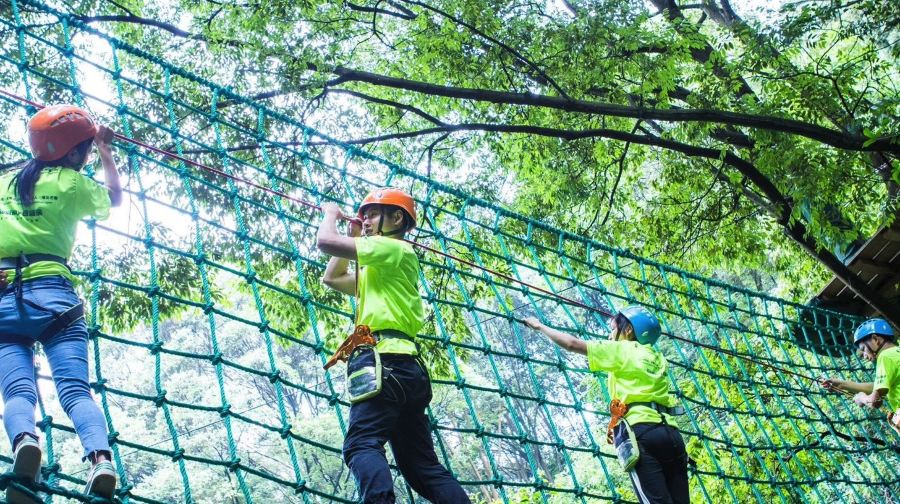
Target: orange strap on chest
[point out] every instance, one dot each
(617, 411)
(362, 335)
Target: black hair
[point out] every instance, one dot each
(622, 323)
(30, 173)
(888, 337)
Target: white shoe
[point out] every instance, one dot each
(102, 480)
(26, 466)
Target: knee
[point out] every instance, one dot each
(73, 394)
(23, 390)
(353, 446)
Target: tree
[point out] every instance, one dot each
(660, 126)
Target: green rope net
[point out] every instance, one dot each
(209, 326)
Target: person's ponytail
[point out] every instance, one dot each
(30, 172)
(26, 180)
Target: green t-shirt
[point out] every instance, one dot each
(389, 290)
(887, 375)
(636, 373)
(62, 197)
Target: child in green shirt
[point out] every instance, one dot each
(876, 342)
(390, 306)
(41, 204)
(637, 378)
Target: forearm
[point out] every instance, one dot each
(111, 176)
(329, 241)
(336, 268)
(855, 387)
(565, 341)
(327, 230)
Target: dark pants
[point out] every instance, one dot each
(397, 416)
(660, 476)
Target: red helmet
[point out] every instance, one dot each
(393, 197)
(57, 129)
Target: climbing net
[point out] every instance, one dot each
(209, 326)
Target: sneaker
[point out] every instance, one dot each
(102, 480)
(26, 466)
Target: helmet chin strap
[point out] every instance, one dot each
(381, 223)
(869, 347)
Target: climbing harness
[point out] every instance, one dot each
(61, 320)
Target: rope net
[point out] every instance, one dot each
(209, 326)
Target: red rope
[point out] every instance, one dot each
(308, 204)
(317, 207)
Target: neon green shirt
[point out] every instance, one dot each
(887, 375)
(636, 373)
(389, 290)
(62, 197)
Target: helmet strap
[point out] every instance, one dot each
(869, 347)
(877, 350)
(399, 230)
(380, 220)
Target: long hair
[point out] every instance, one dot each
(30, 173)
(623, 325)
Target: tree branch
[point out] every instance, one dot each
(405, 13)
(615, 187)
(391, 103)
(174, 30)
(703, 53)
(570, 7)
(491, 39)
(830, 137)
(827, 136)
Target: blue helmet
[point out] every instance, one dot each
(870, 327)
(645, 324)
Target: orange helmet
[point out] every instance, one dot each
(57, 129)
(393, 197)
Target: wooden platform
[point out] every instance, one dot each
(878, 263)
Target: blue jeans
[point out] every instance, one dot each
(67, 351)
(397, 416)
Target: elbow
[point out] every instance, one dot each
(324, 245)
(576, 345)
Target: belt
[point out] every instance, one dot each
(390, 334)
(60, 320)
(659, 408)
(22, 261)
(26, 259)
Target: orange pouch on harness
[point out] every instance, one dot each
(362, 335)
(621, 435)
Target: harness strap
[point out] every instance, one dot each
(361, 336)
(659, 408)
(390, 334)
(62, 321)
(22, 261)
(27, 259)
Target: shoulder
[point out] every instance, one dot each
(64, 178)
(76, 176)
(386, 243)
(892, 356)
